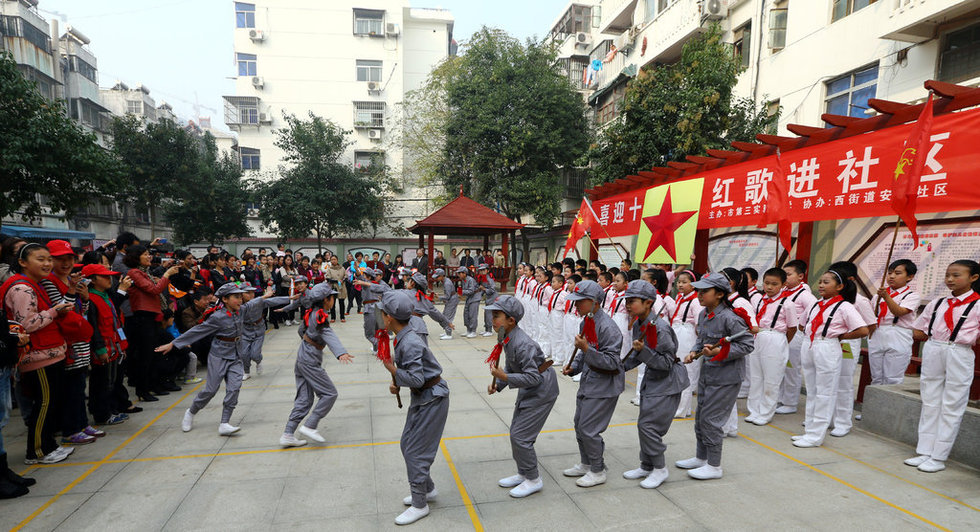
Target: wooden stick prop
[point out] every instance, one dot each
(494, 358)
(384, 346)
(588, 330)
(650, 338)
(723, 341)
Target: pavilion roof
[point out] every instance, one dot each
(464, 216)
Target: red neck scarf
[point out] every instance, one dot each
(684, 299)
(883, 306)
(494, 358)
(818, 320)
(954, 302)
(766, 300)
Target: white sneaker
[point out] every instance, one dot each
(411, 515)
(246, 377)
(804, 443)
(431, 496)
(471, 335)
(839, 433)
(591, 479)
(312, 434)
(227, 429)
(635, 401)
(486, 333)
(681, 415)
(705, 472)
(446, 337)
(916, 461)
(290, 440)
(511, 481)
(732, 434)
(932, 466)
(749, 419)
(857, 417)
(655, 479)
(577, 377)
(55, 456)
(783, 409)
(187, 423)
(690, 463)
(527, 487)
(258, 368)
(636, 474)
(577, 471)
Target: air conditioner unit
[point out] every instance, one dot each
(624, 42)
(256, 35)
(583, 39)
(375, 134)
(392, 29)
(714, 9)
(258, 82)
(373, 86)
(264, 118)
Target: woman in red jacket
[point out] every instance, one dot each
(147, 298)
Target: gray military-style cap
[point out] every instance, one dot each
(641, 289)
(462, 269)
(397, 304)
(439, 272)
(587, 290)
(509, 305)
(321, 291)
(420, 281)
(227, 289)
(713, 280)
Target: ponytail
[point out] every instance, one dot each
(740, 281)
(974, 268)
(849, 290)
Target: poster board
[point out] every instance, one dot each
(742, 249)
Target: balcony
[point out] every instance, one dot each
(667, 32)
(241, 111)
(617, 15)
(917, 20)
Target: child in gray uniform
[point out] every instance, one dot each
(488, 285)
(602, 381)
(471, 291)
(525, 369)
(310, 377)
(663, 381)
(451, 300)
(253, 331)
(722, 368)
(416, 286)
(414, 366)
(371, 294)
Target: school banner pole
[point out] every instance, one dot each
(891, 249)
(596, 218)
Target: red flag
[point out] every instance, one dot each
(777, 207)
(908, 171)
(582, 225)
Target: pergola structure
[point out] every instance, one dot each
(463, 216)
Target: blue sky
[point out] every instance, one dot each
(182, 49)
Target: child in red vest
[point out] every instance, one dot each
(108, 345)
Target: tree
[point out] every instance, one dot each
(671, 111)
(44, 153)
(317, 193)
(506, 120)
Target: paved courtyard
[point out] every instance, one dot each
(148, 475)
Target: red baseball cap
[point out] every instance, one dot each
(59, 248)
(96, 269)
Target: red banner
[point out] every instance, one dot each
(847, 178)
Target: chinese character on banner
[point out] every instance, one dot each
(604, 214)
(934, 165)
(637, 207)
(720, 190)
(619, 209)
(940, 189)
(851, 166)
(802, 178)
(923, 191)
(869, 196)
(756, 190)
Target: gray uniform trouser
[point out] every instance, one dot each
(449, 311)
(524, 429)
(715, 403)
(488, 320)
(471, 315)
(656, 413)
(420, 443)
(370, 326)
(232, 372)
(311, 379)
(252, 351)
(592, 415)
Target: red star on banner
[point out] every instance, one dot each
(663, 225)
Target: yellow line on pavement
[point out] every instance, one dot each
(100, 463)
(462, 489)
(848, 484)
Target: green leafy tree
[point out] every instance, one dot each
(504, 120)
(43, 152)
(671, 111)
(316, 193)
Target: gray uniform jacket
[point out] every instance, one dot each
(471, 289)
(425, 307)
(713, 327)
(665, 373)
(309, 354)
(491, 289)
(604, 356)
(523, 358)
(373, 293)
(449, 294)
(417, 365)
(252, 315)
(222, 323)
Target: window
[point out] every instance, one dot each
(249, 113)
(742, 44)
(773, 109)
(577, 18)
(611, 108)
(842, 8)
(83, 68)
(574, 69)
(18, 27)
(134, 107)
(848, 95)
(241, 110)
(250, 158)
(246, 64)
(369, 114)
(368, 22)
(244, 15)
(959, 58)
(364, 160)
(777, 27)
(368, 70)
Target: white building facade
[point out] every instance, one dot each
(348, 61)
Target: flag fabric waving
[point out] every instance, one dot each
(777, 208)
(908, 171)
(669, 222)
(582, 225)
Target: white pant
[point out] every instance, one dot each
(743, 390)
(543, 322)
(572, 322)
(768, 362)
(821, 362)
(947, 371)
(622, 321)
(732, 424)
(889, 351)
(844, 406)
(685, 341)
(556, 333)
(789, 390)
